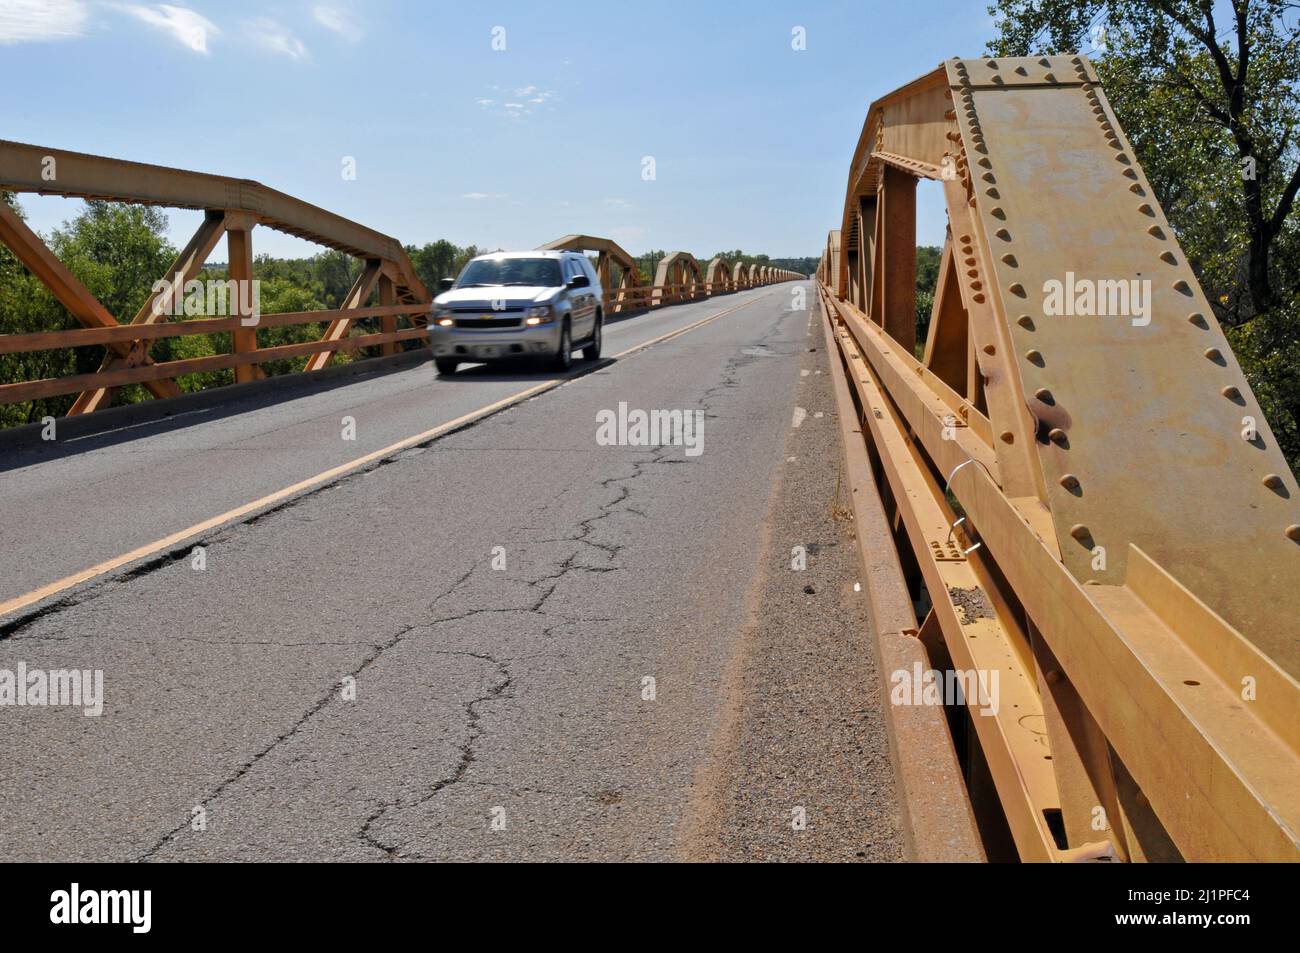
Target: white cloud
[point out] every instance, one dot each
(339, 20)
(24, 21)
(187, 27)
(617, 203)
(524, 102)
(479, 196)
(273, 36)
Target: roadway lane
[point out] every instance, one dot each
(350, 678)
(141, 484)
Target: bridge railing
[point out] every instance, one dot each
(21, 391)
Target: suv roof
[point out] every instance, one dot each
(539, 253)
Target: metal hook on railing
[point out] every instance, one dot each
(948, 483)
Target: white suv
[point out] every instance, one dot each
(539, 304)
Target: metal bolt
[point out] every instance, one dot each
(1069, 481)
(1273, 481)
(1079, 532)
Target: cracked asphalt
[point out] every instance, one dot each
(511, 643)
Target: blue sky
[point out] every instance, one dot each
(501, 148)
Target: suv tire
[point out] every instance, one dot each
(592, 351)
(564, 356)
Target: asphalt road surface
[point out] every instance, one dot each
(506, 641)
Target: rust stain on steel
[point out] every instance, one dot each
(973, 604)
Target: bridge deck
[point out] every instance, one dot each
(475, 688)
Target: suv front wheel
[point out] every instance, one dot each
(592, 351)
(564, 356)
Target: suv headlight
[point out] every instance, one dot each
(539, 314)
(441, 316)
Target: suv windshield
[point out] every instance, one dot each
(533, 272)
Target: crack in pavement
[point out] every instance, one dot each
(467, 756)
(301, 722)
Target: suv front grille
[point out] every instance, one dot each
(488, 323)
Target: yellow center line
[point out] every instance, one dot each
(167, 542)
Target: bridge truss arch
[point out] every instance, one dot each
(1124, 541)
(615, 267)
(718, 275)
(677, 277)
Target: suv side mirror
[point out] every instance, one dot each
(579, 281)
(446, 283)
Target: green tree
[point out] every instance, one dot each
(117, 252)
(927, 278)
